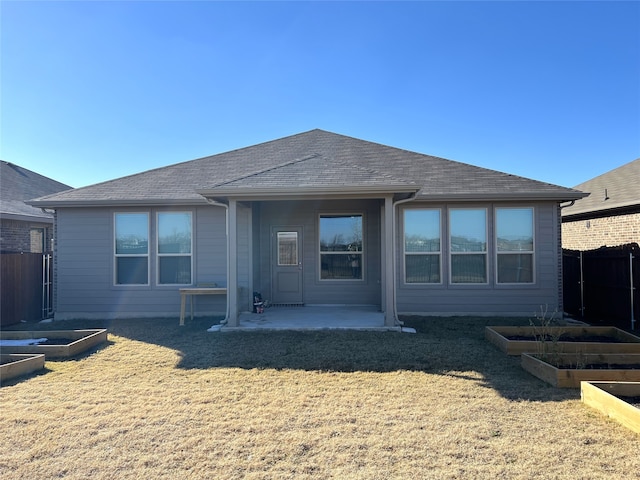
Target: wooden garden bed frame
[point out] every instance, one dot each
(608, 398)
(81, 341)
(626, 342)
(18, 364)
(571, 377)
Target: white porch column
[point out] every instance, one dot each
(232, 281)
(389, 281)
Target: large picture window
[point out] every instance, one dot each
(422, 245)
(514, 245)
(341, 250)
(468, 245)
(174, 248)
(131, 232)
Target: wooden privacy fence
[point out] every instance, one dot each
(25, 287)
(601, 286)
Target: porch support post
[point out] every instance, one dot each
(389, 259)
(232, 281)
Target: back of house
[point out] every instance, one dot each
(315, 218)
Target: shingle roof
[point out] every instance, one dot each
(317, 161)
(617, 188)
(18, 184)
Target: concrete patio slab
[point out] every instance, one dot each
(314, 318)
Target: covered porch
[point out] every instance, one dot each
(301, 292)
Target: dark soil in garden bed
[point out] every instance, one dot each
(565, 338)
(634, 401)
(598, 366)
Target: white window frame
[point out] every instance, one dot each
(117, 255)
(404, 244)
(451, 253)
(514, 252)
(163, 255)
(361, 253)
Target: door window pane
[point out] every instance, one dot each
(287, 248)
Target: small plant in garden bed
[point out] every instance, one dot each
(544, 336)
(568, 370)
(582, 364)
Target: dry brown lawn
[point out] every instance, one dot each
(160, 401)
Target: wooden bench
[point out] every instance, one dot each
(190, 292)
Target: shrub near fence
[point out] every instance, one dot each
(20, 287)
(601, 285)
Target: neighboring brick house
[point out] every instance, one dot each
(609, 216)
(24, 228)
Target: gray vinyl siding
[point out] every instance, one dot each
(306, 215)
(85, 266)
(85, 263)
(491, 298)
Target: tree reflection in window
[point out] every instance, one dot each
(341, 247)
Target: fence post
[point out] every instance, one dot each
(633, 320)
(46, 285)
(581, 287)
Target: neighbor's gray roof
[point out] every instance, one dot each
(615, 189)
(18, 184)
(317, 161)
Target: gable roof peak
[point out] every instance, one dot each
(315, 162)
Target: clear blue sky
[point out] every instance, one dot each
(92, 91)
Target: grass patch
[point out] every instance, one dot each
(163, 401)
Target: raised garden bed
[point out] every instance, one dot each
(618, 400)
(564, 339)
(14, 365)
(567, 370)
(59, 344)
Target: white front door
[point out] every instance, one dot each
(286, 265)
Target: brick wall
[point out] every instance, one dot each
(24, 237)
(600, 232)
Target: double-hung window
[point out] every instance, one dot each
(174, 248)
(468, 245)
(514, 245)
(341, 251)
(131, 232)
(422, 245)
